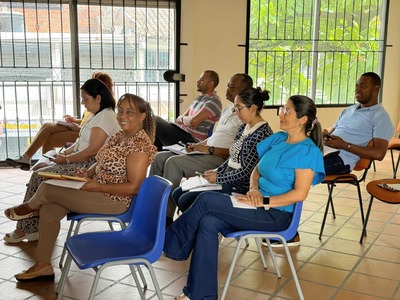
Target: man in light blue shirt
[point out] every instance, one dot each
(356, 126)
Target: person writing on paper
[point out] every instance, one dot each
(102, 124)
(117, 175)
(290, 162)
(53, 135)
(234, 173)
(356, 126)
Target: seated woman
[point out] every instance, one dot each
(120, 169)
(102, 124)
(52, 135)
(234, 173)
(290, 162)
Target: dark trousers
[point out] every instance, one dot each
(334, 165)
(169, 133)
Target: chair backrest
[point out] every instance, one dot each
(150, 211)
(364, 163)
(291, 231)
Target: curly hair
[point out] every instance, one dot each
(149, 123)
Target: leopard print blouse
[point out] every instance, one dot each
(111, 159)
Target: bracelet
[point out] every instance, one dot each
(67, 161)
(348, 146)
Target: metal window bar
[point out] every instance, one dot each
(317, 48)
(43, 61)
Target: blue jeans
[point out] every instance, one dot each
(196, 232)
(334, 165)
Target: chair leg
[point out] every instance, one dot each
(330, 202)
(71, 226)
(64, 276)
(135, 278)
(264, 262)
(397, 166)
(155, 281)
(293, 269)
(364, 231)
(232, 266)
(361, 204)
(140, 271)
(272, 253)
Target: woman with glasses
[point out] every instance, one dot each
(102, 123)
(121, 166)
(234, 173)
(290, 162)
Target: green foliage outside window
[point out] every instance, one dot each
(295, 49)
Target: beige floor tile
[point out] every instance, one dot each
(334, 268)
(371, 285)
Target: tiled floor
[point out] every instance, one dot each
(337, 267)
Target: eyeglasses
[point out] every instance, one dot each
(237, 109)
(285, 110)
(128, 113)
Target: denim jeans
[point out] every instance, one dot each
(196, 232)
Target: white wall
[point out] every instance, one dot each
(213, 30)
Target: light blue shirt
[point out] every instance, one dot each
(358, 125)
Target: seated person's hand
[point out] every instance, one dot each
(92, 186)
(81, 172)
(211, 176)
(197, 147)
(326, 135)
(59, 158)
(70, 119)
(252, 197)
(335, 142)
(179, 120)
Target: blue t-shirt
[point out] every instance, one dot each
(358, 125)
(279, 161)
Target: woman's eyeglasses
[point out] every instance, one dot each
(237, 109)
(128, 113)
(285, 110)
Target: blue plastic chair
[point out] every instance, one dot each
(140, 243)
(282, 236)
(122, 219)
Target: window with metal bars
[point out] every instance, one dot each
(48, 48)
(317, 48)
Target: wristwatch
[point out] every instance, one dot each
(266, 202)
(211, 150)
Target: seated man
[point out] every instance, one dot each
(193, 125)
(174, 167)
(356, 126)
